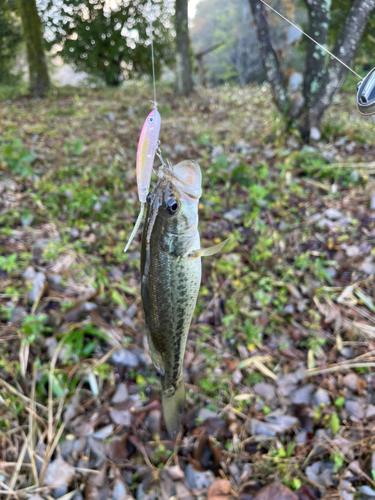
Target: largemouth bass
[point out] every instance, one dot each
(171, 277)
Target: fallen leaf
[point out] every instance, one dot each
(275, 491)
(258, 362)
(183, 493)
(365, 299)
(97, 487)
(207, 454)
(175, 473)
(347, 297)
(306, 493)
(121, 449)
(58, 474)
(120, 417)
(219, 490)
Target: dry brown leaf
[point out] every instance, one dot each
(275, 491)
(121, 449)
(97, 487)
(219, 490)
(206, 454)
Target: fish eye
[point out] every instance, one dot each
(151, 119)
(172, 206)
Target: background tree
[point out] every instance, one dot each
(32, 34)
(228, 25)
(184, 81)
(110, 43)
(321, 79)
(10, 38)
(339, 12)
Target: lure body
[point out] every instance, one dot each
(147, 145)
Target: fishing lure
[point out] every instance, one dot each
(366, 95)
(147, 146)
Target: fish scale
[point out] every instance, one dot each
(180, 285)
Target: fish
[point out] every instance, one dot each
(171, 276)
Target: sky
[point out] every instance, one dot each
(192, 7)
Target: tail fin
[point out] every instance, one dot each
(173, 405)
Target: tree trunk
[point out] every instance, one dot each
(319, 19)
(184, 82)
(32, 32)
(321, 80)
(269, 59)
(345, 48)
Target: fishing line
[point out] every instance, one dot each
(144, 154)
(152, 54)
(312, 39)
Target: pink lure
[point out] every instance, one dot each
(147, 145)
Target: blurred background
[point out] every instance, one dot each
(279, 364)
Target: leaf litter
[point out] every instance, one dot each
(280, 357)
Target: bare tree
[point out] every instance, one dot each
(269, 58)
(184, 81)
(345, 48)
(32, 33)
(321, 80)
(244, 58)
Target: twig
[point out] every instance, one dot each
(119, 476)
(102, 360)
(31, 437)
(312, 372)
(14, 391)
(86, 471)
(20, 460)
(146, 459)
(12, 464)
(37, 417)
(9, 490)
(51, 429)
(357, 469)
(370, 165)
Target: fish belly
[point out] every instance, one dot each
(169, 295)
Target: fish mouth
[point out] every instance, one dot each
(185, 176)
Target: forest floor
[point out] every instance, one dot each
(280, 359)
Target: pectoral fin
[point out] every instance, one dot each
(206, 252)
